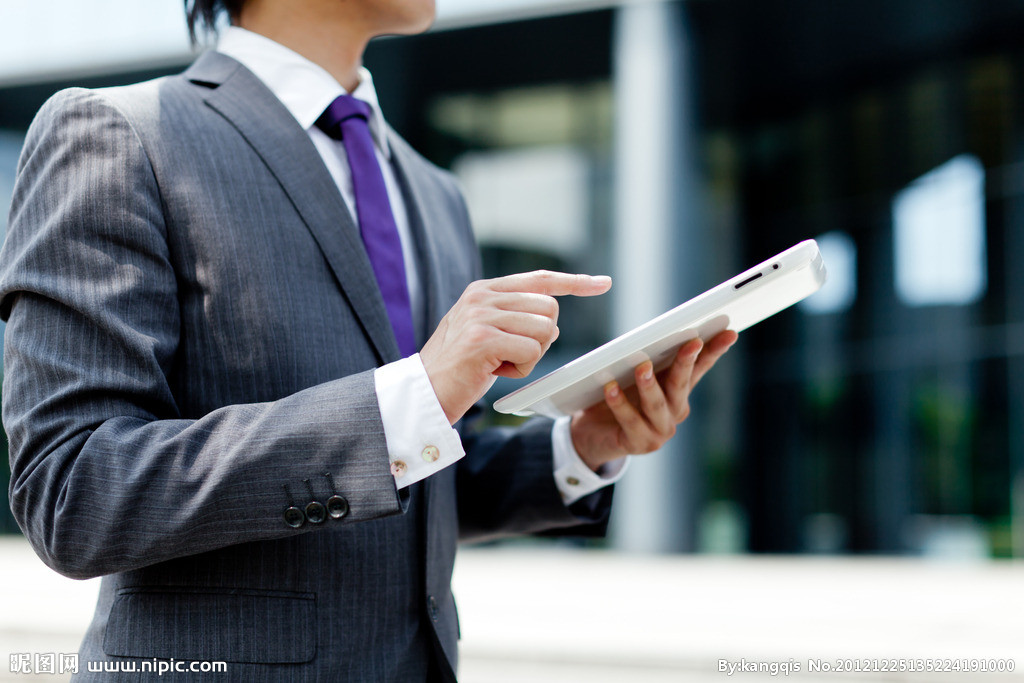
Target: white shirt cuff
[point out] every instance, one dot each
(572, 476)
(420, 441)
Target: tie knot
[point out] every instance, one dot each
(343, 108)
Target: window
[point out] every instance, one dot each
(939, 232)
(840, 289)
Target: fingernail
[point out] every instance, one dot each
(602, 279)
(647, 373)
(612, 389)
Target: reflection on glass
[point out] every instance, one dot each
(840, 289)
(534, 198)
(939, 232)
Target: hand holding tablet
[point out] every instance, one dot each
(736, 304)
(642, 418)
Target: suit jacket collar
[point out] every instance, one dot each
(268, 127)
(304, 87)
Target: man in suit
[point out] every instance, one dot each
(213, 394)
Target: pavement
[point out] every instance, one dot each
(545, 613)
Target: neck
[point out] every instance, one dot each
(335, 46)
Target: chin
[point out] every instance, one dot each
(416, 16)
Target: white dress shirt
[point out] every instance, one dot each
(420, 441)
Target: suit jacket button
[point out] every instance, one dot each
(337, 507)
(316, 512)
(293, 517)
(432, 608)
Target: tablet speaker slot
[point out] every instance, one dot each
(747, 281)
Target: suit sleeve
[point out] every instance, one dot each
(506, 485)
(105, 475)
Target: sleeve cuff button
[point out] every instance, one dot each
(431, 454)
(337, 507)
(316, 512)
(294, 517)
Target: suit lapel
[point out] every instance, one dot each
(418, 195)
(289, 154)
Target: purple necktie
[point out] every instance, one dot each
(346, 119)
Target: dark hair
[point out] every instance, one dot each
(203, 13)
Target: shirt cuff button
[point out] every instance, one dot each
(572, 481)
(431, 454)
(398, 468)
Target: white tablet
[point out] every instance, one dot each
(736, 304)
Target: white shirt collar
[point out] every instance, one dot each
(303, 87)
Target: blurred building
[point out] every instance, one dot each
(672, 144)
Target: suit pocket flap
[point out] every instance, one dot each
(251, 626)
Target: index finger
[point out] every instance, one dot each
(553, 283)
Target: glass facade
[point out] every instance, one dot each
(890, 423)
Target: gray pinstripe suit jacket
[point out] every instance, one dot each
(193, 327)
